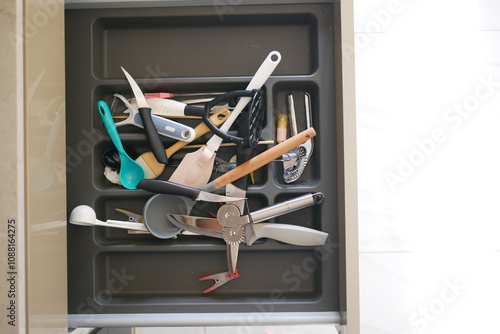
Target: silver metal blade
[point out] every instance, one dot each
(210, 197)
(139, 96)
(232, 190)
(232, 257)
(201, 225)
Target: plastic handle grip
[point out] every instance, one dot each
(173, 129)
(152, 136)
(168, 128)
(172, 108)
(166, 107)
(265, 70)
(290, 234)
(109, 124)
(123, 224)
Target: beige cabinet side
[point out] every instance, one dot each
(45, 171)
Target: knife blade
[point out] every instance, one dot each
(145, 112)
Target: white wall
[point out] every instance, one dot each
(428, 113)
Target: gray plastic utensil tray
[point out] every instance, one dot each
(189, 47)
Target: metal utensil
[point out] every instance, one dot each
(292, 234)
(245, 151)
(294, 166)
(220, 279)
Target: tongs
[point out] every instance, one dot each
(295, 161)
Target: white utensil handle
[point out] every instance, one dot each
(160, 107)
(166, 107)
(263, 73)
(290, 234)
(122, 224)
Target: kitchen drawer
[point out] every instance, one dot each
(117, 278)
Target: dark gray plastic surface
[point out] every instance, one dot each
(191, 49)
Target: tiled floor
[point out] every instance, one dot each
(428, 102)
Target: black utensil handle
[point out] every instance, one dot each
(153, 136)
(194, 111)
(243, 152)
(169, 188)
(217, 100)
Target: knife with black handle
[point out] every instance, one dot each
(145, 112)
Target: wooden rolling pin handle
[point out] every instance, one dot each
(264, 158)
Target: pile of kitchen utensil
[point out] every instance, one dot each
(169, 212)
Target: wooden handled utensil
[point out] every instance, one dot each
(260, 160)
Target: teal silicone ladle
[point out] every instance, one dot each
(131, 173)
